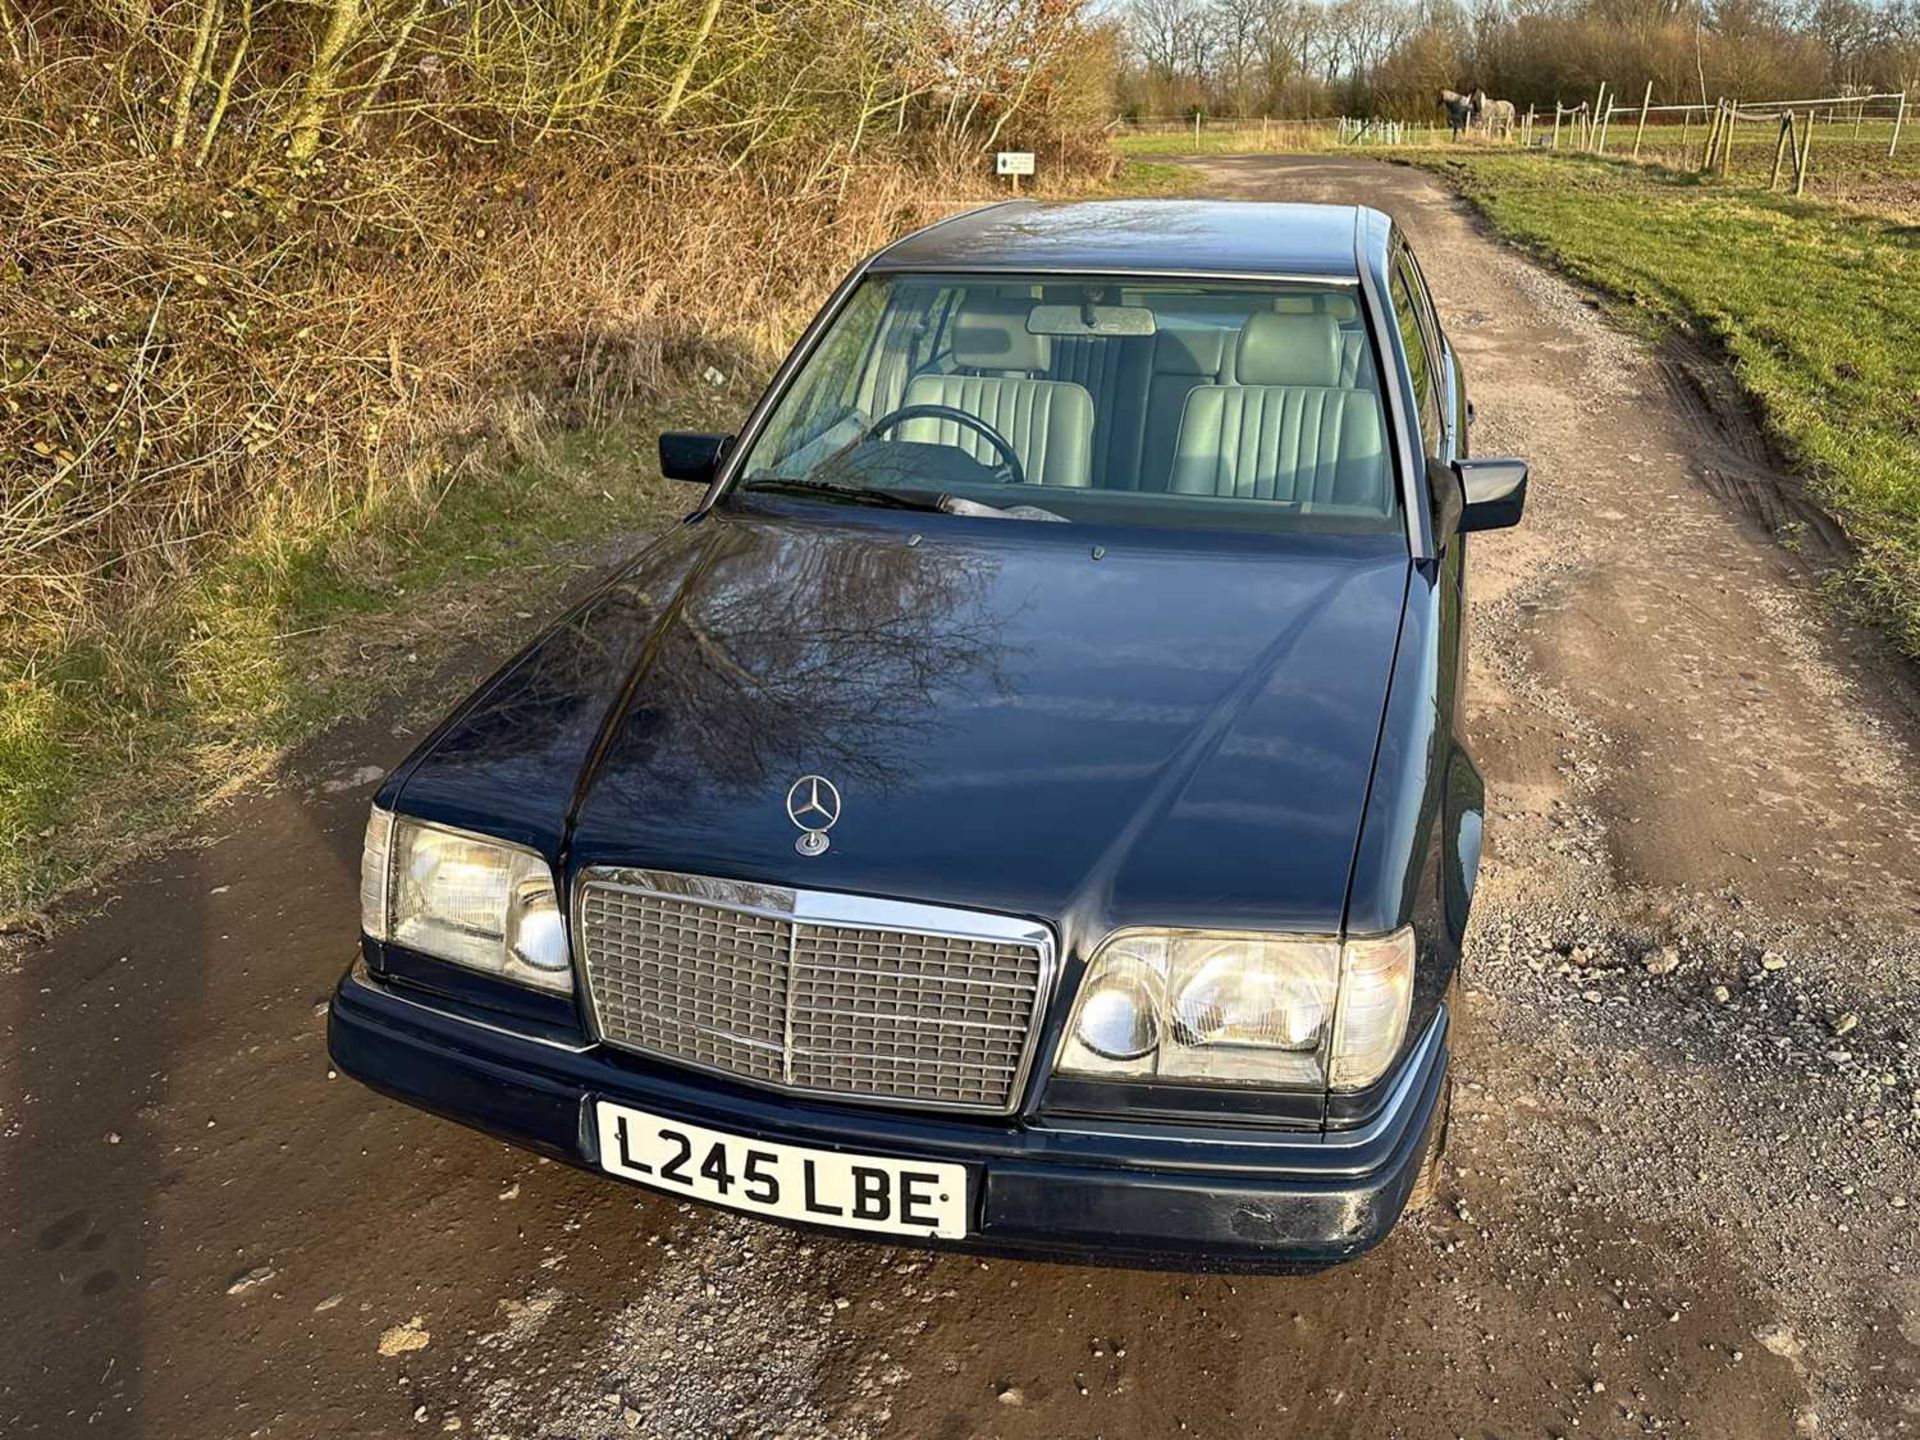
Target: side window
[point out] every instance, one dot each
(827, 388)
(1408, 313)
(904, 345)
(818, 414)
(1436, 338)
(928, 348)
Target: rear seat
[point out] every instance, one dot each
(1183, 359)
(1113, 370)
(1140, 386)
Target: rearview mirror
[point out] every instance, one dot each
(1494, 492)
(1071, 321)
(690, 455)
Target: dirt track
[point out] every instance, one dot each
(1669, 1213)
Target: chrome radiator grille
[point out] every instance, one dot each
(833, 994)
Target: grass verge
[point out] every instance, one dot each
(104, 747)
(1150, 178)
(1817, 307)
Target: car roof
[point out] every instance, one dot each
(1123, 237)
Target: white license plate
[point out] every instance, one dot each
(794, 1182)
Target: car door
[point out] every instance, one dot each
(1440, 405)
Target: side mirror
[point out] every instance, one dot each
(1494, 493)
(689, 455)
(1475, 495)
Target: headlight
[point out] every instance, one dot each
(1218, 1007)
(1120, 1012)
(464, 898)
(1376, 992)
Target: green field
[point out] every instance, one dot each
(1842, 154)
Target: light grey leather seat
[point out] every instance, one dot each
(1355, 362)
(1049, 423)
(1288, 430)
(1184, 358)
(1114, 370)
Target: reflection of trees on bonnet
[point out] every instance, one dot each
(794, 648)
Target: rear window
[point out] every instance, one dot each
(1232, 405)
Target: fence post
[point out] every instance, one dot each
(1780, 149)
(1554, 143)
(1641, 128)
(1713, 136)
(1898, 116)
(1593, 116)
(1806, 158)
(1726, 142)
(1196, 132)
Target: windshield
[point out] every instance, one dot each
(1225, 405)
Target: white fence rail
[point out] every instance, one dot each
(1588, 125)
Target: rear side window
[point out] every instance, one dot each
(1421, 365)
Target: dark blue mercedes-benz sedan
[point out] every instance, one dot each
(1023, 806)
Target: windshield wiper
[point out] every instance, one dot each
(859, 494)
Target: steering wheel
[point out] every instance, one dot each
(1009, 461)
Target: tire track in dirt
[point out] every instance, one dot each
(1733, 460)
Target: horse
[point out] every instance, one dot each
(1496, 117)
(1459, 111)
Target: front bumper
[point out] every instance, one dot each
(1082, 1190)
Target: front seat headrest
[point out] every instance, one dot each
(1289, 350)
(992, 335)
